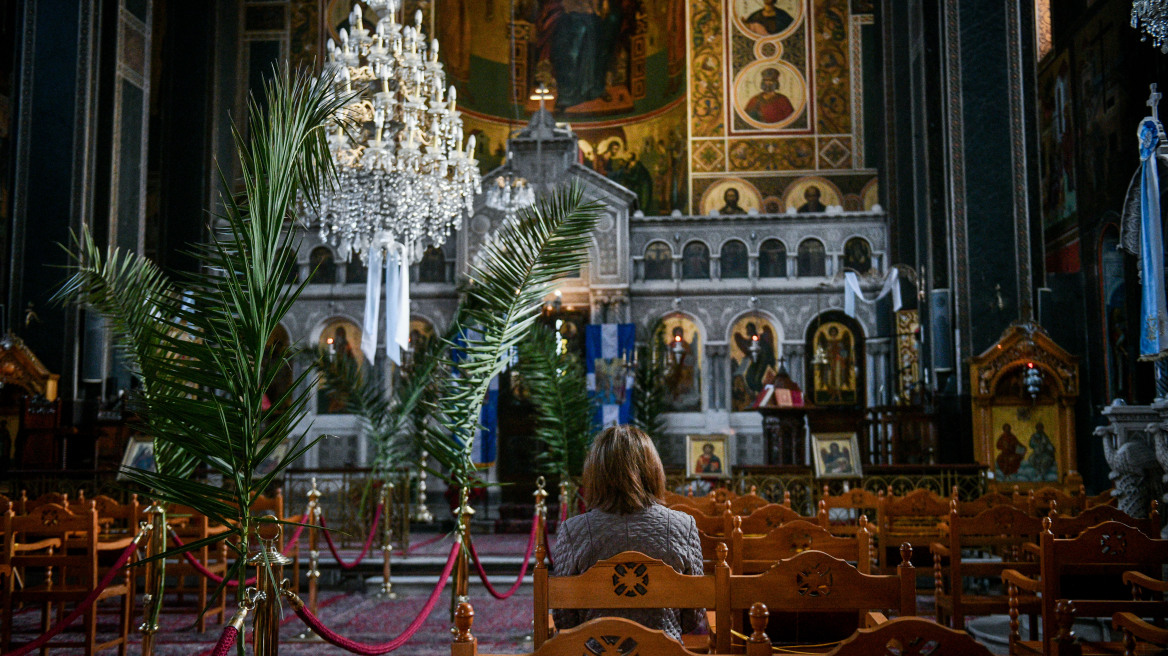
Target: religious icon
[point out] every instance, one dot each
(770, 94)
(139, 455)
(582, 39)
(753, 360)
(677, 341)
(811, 200)
(811, 194)
(834, 365)
(695, 261)
(341, 338)
(836, 455)
(730, 202)
(858, 255)
(769, 105)
(1023, 450)
(706, 456)
(730, 196)
(767, 18)
(274, 350)
(421, 332)
(611, 380)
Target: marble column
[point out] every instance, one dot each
(718, 374)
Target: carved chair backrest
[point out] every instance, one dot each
(1040, 501)
(73, 562)
(747, 503)
(844, 510)
(629, 579)
(1064, 526)
(114, 517)
(812, 581)
(1000, 531)
(709, 524)
(762, 519)
(1109, 548)
(985, 502)
(910, 636)
(755, 554)
(27, 505)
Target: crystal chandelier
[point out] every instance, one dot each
(404, 175)
(1151, 17)
(509, 193)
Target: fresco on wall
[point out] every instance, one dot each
(730, 196)
(648, 157)
(1057, 138)
(810, 195)
(835, 357)
(753, 359)
(278, 344)
(1023, 446)
(1099, 71)
(679, 344)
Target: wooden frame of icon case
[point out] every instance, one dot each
(1024, 389)
(707, 456)
(836, 455)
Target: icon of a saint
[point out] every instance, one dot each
(708, 462)
(769, 105)
(769, 19)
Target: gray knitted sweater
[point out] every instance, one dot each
(657, 531)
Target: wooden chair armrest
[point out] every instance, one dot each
(38, 545)
(114, 544)
(1032, 548)
(1021, 580)
(1132, 624)
(939, 548)
(874, 618)
(1144, 581)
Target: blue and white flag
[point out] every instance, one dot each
(1154, 312)
(608, 350)
(484, 450)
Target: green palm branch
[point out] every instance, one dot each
(201, 352)
(564, 412)
(502, 300)
(650, 395)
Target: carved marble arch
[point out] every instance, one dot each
(1024, 389)
(734, 259)
(322, 266)
(658, 261)
(812, 259)
(695, 261)
(835, 349)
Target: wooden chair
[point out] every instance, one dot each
(763, 519)
(1040, 501)
(985, 502)
(914, 518)
(844, 510)
(755, 554)
(627, 580)
(212, 558)
(707, 523)
(815, 582)
(910, 636)
(68, 574)
(1135, 629)
(26, 505)
(748, 503)
(115, 519)
(983, 546)
(1069, 526)
(1106, 550)
(609, 635)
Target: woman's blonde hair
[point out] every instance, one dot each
(623, 473)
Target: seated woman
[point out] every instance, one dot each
(623, 484)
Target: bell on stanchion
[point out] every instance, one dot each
(269, 564)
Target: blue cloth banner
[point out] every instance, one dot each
(487, 436)
(1154, 314)
(608, 359)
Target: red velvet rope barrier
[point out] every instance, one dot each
(231, 583)
(364, 649)
(368, 541)
(226, 641)
(424, 543)
(81, 607)
(522, 570)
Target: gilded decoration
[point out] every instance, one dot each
(1024, 392)
(774, 154)
(20, 367)
(706, 68)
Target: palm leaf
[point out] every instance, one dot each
(564, 412)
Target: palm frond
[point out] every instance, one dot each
(650, 395)
(559, 391)
(507, 284)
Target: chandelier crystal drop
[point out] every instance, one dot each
(509, 193)
(1151, 17)
(404, 174)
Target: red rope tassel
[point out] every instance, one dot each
(81, 607)
(226, 641)
(368, 541)
(364, 649)
(522, 570)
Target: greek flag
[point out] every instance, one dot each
(1154, 313)
(609, 350)
(487, 437)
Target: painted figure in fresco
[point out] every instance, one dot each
(753, 367)
(769, 105)
(1041, 453)
(708, 463)
(730, 202)
(1010, 452)
(339, 347)
(835, 348)
(768, 20)
(681, 372)
(580, 37)
(836, 460)
(857, 255)
(811, 200)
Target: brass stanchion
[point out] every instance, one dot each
(540, 495)
(421, 509)
(155, 576)
(313, 521)
(567, 498)
(459, 593)
(269, 564)
(386, 540)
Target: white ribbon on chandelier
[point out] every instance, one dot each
(852, 291)
(395, 259)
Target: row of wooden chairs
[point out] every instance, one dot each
(810, 581)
